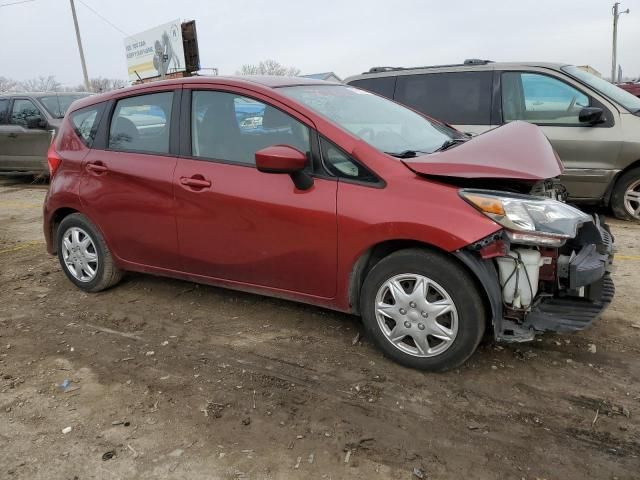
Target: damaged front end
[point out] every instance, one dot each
(547, 270)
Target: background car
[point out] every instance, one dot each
(632, 88)
(592, 124)
(28, 122)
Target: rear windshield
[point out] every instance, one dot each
(615, 93)
(57, 105)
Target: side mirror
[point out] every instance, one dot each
(284, 159)
(591, 115)
(35, 122)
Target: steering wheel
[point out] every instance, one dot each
(366, 132)
(573, 103)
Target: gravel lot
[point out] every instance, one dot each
(169, 379)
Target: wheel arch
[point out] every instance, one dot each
(377, 252)
(614, 181)
(56, 218)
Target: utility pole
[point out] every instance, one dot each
(84, 65)
(614, 53)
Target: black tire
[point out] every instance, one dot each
(107, 273)
(617, 196)
(457, 283)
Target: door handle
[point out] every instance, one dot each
(195, 182)
(96, 167)
(13, 135)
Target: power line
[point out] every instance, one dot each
(15, 3)
(101, 17)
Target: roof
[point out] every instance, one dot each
(321, 76)
(255, 82)
(476, 65)
(41, 94)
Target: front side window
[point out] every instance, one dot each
(4, 105)
(24, 113)
(460, 98)
(85, 123)
(232, 128)
(57, 105)
(384, 124)
(541, 99)
(142, 123)
(342, 165)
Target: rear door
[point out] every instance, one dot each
(241, 225)
(26, 138)
(462, 99)
(588, 152)
(126, 186)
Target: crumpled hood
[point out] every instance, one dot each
(517, 150)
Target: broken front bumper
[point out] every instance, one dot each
(582, 288)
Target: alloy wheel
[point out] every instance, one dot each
(632, 200)
(416, 315)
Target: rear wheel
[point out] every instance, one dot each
(84, 255)
(625, 199)
(423, 310)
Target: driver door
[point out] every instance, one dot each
(587, 151)
(26, 137)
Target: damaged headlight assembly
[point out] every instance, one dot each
(528, 220)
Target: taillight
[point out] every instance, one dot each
(54, 159)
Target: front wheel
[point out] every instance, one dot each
(423, 310)
(625, 199)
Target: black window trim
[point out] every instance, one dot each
(609, 123)
(325, 172)
(185, 150)
(9, 103)
(101, 142)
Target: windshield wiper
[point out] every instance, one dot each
(450, 143)
(405, 153)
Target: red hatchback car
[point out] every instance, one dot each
(329, 195)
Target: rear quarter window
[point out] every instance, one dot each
(458, 98)
(85, 123)
(381, 85)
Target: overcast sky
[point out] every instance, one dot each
(343, 36)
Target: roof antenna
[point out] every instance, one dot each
(137, 75)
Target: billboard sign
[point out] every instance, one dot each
(155, 52)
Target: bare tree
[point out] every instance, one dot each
(101, 84)
(268, 67)
(7, 84)
(40, 84)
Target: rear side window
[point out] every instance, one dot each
(461, 98)
(381, 85)
(232, 128)
(142, 123)
(85, 123)
(4, 105)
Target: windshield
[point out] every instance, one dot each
(57, 105)
(385, 125)
(615, 93)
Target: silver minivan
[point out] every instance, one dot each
(593, 125)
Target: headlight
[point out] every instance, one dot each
(528, 219)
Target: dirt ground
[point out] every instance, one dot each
(169, 379)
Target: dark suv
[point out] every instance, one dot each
(592, 124)
(28, 122)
